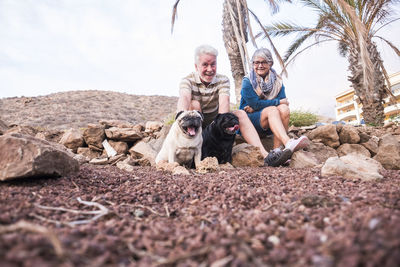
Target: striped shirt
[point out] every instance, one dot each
(208, 96)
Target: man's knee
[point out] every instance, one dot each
(241, 114)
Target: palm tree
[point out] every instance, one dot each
(236, 31)
(352, 24)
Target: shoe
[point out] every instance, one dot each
(277, 157)
(297, 144)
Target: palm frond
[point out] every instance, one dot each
(246, 9)
(343, 48)
(301, 51)
(396, 50)
(174, 15)
(384, 25)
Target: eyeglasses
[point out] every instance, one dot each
(263, 63)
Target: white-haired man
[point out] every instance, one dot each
(206, 91)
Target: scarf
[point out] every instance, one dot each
(269, 89)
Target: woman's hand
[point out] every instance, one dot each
(284, 101)
(248, 109)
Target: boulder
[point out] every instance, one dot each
(24, 156)
(245, 155)
(372, 145)
(3, 127)
(124, 134)
(50, 135)
(120, 147)
(94, 136)
(116, 123)
(89, 153)
(303, 159)
(153, 126)
(352, 166)
(327, 134)
(28, 130)
(321, 151)
(389, 152)
(143, 150)
(346, 149)
(72, 139)
(174, 168)
(349, 135)
(209, 164)
(124, 165)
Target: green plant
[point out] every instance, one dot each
(169, 120)
(300, 118)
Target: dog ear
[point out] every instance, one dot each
(201, 115)
(177, 114)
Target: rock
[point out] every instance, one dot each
(389, 152)
(72, 139)
(153, 126)
(27, 130)
(174, 168)
(99, 161)
(303, 159)
(321, 151)
(124, 165)
(26, 156)
(327, 134)
(364, 137)
(352, 166)
(81, 159)
(124, 134)
(3, 127)
(372, 145)
(180, 170)
(245, 155)
(142, 149)
(116, 123)
(94, 136)
(50, 135)
(87, 152)
(349, 135)
(120, 147)
(346, 149)
(108, 149)
(209, 164)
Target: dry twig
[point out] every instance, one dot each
(98, 213)
(22, 225)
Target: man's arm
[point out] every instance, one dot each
(184, 100)
(224, 105)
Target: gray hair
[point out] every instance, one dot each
(204, 49)
(265, 54)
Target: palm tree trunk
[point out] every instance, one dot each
(232, 46)
(371, 97)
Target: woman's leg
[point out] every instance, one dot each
(271, 118)
(248, 131)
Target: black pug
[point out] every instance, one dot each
(218, 137)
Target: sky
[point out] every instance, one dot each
(49, 46)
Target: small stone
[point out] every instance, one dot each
(274, 240)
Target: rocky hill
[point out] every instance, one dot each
(78, 108)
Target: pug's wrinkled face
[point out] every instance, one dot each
(228, 122)
(190, 122)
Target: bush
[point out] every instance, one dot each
(300, 118)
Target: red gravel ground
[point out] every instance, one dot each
(240, 217)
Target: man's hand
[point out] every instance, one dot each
(248, 109)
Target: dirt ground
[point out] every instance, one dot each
(241, 217)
